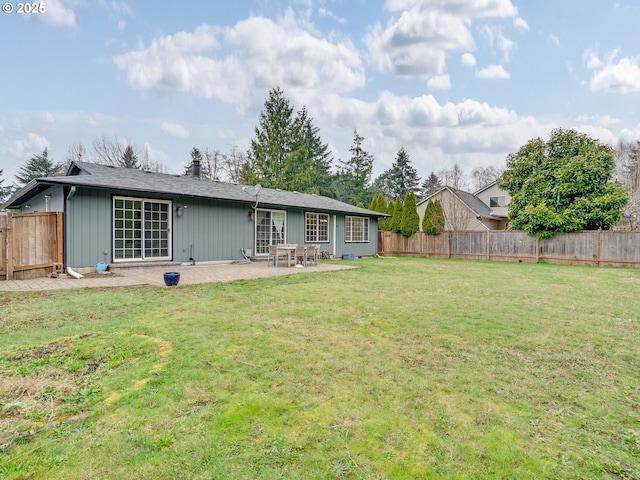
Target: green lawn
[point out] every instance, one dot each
(403, 368)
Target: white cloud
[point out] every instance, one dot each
(416, 42)
(439, 82)
(495, 36)
(435, 135)
(31, 144)
(554, 39)
(493, 72)
(48, 117)
(617, 76)
(468, 60)
(263, 54)
(56, 14)
(600, 120)
(323, 12)
(520, 23)
(174, 129)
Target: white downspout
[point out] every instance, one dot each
(335, 226)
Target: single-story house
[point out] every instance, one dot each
(485, 209)
(118, 215)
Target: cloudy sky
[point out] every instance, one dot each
(451, 81)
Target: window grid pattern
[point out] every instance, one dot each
(316, 227)
(140, 229)
(356, 229)
(156, 230)
(270, 229)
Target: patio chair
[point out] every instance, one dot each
(313, 254)
(274, 253)
(301, 255)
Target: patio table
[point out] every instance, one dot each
(289, 249)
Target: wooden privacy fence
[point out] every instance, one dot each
(597, 248)
(30, 243)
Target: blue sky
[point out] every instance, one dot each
(451, 81)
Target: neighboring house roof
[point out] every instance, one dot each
(486, 187)
(477, 206)
(93, 175)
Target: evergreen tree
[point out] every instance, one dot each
(4, 191)
(287, 152)
(402, 176)
(197, 156)
(379, 204)
(129, 158)
(431, 185)
(433, 221)
(269, 157)
(410, 223)
(36, 167)
(316, 166)
(354, 175)
(395, 223)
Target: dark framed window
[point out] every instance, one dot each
(497, 202)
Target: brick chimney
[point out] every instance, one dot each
(195, 169)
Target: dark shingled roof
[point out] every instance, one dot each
(93, 175)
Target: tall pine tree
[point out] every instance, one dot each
(287, 151)
(36, 167)
(402, 177)
(129, 158)
(354, 175)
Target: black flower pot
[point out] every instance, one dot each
(171, 279)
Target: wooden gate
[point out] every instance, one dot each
(30, 243)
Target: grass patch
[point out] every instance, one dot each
(403, 368)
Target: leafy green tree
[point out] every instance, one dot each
(410, 223)
(129, 158)
(353, 180)
(563, 185)
(36, 167)
(395, 222)
(433, 221)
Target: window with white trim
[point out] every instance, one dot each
(141, 229)
(356, 229)
(316, 227)
(270, 229)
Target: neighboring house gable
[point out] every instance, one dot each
(496, 198)
(466, 211)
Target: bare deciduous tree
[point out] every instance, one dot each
(483, 176)
(454, 177)
(232, 164)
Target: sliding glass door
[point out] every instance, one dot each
(141, 229)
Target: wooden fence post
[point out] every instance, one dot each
(488, 244)
(9, 248)
(537, 248)
(598, 248)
